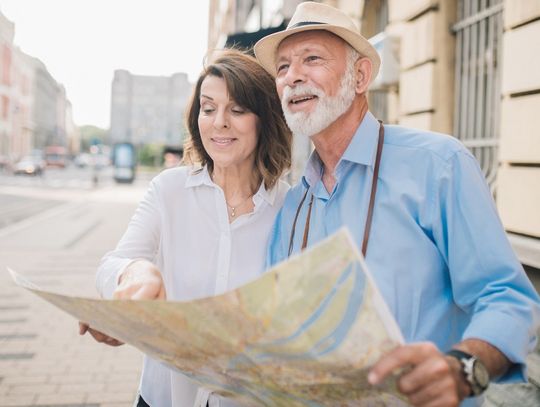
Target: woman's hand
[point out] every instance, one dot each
(98, 336)
(141, 280)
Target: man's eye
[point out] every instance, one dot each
(312, 58)
(282, 67)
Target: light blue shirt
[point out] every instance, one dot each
(437, 249)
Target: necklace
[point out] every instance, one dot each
(233, 208)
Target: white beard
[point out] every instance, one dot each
(327, 109)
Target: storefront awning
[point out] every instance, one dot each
(246, 40)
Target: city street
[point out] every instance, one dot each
(54, 229)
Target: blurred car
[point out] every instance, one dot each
(4, 162)
(30, 165)
(56, 156)
(83, 160)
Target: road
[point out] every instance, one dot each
(54, 229)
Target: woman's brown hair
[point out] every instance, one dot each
(253, 89)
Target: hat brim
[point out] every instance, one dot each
(265, 49)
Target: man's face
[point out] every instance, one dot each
(315, 80)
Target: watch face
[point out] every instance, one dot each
(480, 375)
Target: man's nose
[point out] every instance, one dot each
(295, 74)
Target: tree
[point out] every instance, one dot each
(91, 135)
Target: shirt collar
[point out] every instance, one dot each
(361, 150)
(363, 146)
(201, 176)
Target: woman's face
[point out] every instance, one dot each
(228, 131)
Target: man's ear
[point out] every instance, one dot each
(363, 70)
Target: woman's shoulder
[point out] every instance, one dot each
(281, 187)
(173, 176)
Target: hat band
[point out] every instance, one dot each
(302, 23)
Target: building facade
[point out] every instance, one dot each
(469, 68)
(34, 109)
(7, 32)
(148, 109)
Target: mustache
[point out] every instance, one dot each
(300, 90)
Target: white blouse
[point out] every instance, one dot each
(182, 226)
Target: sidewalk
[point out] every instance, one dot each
(43, 360)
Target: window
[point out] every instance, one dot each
(478, 77)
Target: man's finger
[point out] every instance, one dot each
(402, 356)
(438, 393)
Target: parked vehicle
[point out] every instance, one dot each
(82, 160)
(124, 160)
(29, 165)
(56, 156)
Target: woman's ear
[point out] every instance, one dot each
(363, 70)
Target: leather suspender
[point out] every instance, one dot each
(367, 227)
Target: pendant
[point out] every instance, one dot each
(232, 211)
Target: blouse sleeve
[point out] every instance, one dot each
(141, 240)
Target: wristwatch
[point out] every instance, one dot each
(473, 370)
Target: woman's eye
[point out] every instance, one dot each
(237, 110)
(207, 110)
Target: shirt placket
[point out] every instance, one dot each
(224, 250)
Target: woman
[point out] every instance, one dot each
(202, 229)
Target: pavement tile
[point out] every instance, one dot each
(18, 400)
(88, 387)
(60, 399)
(71, 378)
(116, 397)
(66, 368)
(32, 389)
(25, 379)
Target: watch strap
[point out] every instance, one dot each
(459, 354)
(468, 362)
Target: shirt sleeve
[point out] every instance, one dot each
(274, 250)
(487, 281)
(140, 241)
(278, 242)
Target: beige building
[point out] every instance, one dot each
(470, 68)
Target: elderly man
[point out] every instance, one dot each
(436, 249)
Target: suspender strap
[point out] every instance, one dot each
(306, 227)
(374, 183)
(291, 240)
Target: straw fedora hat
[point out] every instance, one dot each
(316, 16)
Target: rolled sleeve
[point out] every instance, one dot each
(488, 282)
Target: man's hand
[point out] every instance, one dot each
(98, 336)
(429, 378)
(141, 280)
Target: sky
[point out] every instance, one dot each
(82, 42)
